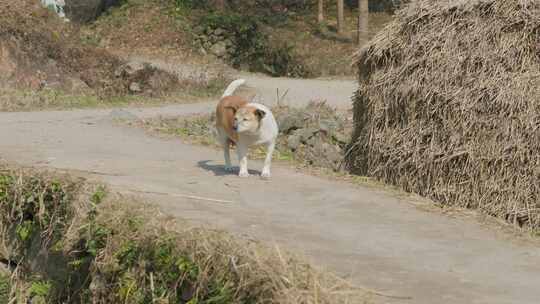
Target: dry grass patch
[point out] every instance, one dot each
(64, 241)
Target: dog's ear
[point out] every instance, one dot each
(260, 114)
(233, 108)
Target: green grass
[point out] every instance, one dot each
(40, 289)
(51, 99)
(24, 100)
(5, 288)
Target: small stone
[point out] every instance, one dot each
(119, 72)
(328, 126)
(293, 142)
(198, 29)
(129, 69)
(332, 152)
(135, 87)
(289, 123)
(76, 85)
(219, 32)
(37, 300)
(341, 137)
(314, 141)
(306, 134)
(219, 49)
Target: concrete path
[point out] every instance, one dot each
(379, 241)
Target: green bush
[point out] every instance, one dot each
(242, 30)
(280, 60)
(190, 4)
(33, 208)
(252, 46)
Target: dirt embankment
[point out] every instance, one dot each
(66, 241)
(38, 50)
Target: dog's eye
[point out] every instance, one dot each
(245, 119)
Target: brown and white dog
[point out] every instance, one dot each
(244, 124)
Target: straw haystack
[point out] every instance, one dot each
(448, 105)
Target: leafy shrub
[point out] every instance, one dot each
(33, 208)
(190, 4)
(242, 30)
(280, 60)
(296, 5)
(252, 46)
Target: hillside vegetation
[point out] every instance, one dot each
(66, 241)
(279, 40)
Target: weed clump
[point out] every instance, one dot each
(68, 242)
(33, 209)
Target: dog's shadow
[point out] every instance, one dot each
(219, 170)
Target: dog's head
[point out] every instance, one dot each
(248, 119)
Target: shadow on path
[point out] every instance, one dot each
(219, 170)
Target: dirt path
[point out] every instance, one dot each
(337, 93)
(378, 240)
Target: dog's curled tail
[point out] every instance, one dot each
(233, 86)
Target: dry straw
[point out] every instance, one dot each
(448, 105)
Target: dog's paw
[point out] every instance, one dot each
(266, 175)
(229, 169)
(244, 174)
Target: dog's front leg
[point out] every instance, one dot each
(268, 160)
(242, 151)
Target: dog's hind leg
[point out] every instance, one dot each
(268, 160)
(227, 155)
(226, 144)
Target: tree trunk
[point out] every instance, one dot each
(340, 20)
(320, 16)
(363, 21)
